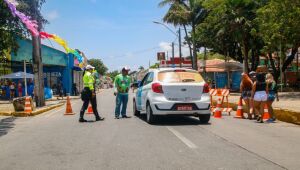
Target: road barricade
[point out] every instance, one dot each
(221, 94)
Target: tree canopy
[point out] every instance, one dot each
(99, 65)
(12, 28)
(241, 29)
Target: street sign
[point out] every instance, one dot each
(161, 56)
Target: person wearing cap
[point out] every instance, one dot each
(88, 94)
(122, 85)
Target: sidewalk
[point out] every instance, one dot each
(287, 109)
(7, 108)
(287, 100)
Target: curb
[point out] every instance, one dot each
(34, 113)
(284, 115)
(6, 113)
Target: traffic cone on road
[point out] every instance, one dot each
(69, 110)
(266, 112)
(90, 110)
(27, 108)
(239, 111)
(218, 110)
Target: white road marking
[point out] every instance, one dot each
(182, 138)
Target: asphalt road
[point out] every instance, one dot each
(54, 141)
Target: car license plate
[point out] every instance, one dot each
(184, 108)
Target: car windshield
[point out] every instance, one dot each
(181, 76)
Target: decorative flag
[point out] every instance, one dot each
(31, 25)
(63, 43)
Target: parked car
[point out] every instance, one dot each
(172, 91)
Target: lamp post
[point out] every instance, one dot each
(179, 39)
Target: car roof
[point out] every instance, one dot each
(170, 69)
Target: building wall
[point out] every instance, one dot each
(57, 64)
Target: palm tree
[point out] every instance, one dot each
(184, 13)
(141, 68)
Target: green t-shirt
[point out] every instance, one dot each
(122, 83)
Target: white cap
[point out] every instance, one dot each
(88, 67)
(125, 68)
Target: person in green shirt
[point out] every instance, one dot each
(122, 85)
(88, 94)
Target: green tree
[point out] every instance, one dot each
(99, 66)
(279, 26)
(10, 29)
(156, 65)
(230, 28)
(113, 74)
(141, 68)
(186, 13)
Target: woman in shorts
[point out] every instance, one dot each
(259, 95)
(272, 94)
(246, 89)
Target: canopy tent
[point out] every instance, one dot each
(218, 65)
(17, 75)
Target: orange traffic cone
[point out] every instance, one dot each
(69, 110)
(90, 110)
(240, 111)
(218, 110)
(266, 112)
(27, 108)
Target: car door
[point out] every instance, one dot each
(146, 89)
(139, 93)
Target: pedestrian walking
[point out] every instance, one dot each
(74, 89)
(259, 95)
(246, 89)
(122, 85)
(12, 88)
(3, 89)
(88, 94)
(272, 94)
(20, 89)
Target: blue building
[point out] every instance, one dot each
(58, 67)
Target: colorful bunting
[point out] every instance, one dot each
(31, 25)
(63, 43)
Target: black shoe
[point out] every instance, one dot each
(81, 120)
(99, 118)
(117, 117)
(126, 116)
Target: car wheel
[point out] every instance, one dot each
(204, 118)
(135, 111)
(150, 116)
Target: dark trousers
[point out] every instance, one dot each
(85, 105)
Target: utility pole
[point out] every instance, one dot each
(173, 55)
(194, 61)
(180, 54)
(204, 62)
(25, 78)
(38, 64)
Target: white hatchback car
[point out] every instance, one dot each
(172, 91)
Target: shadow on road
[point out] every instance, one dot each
(6, 124)
(174, 120)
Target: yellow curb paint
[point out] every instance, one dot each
(284, 115)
